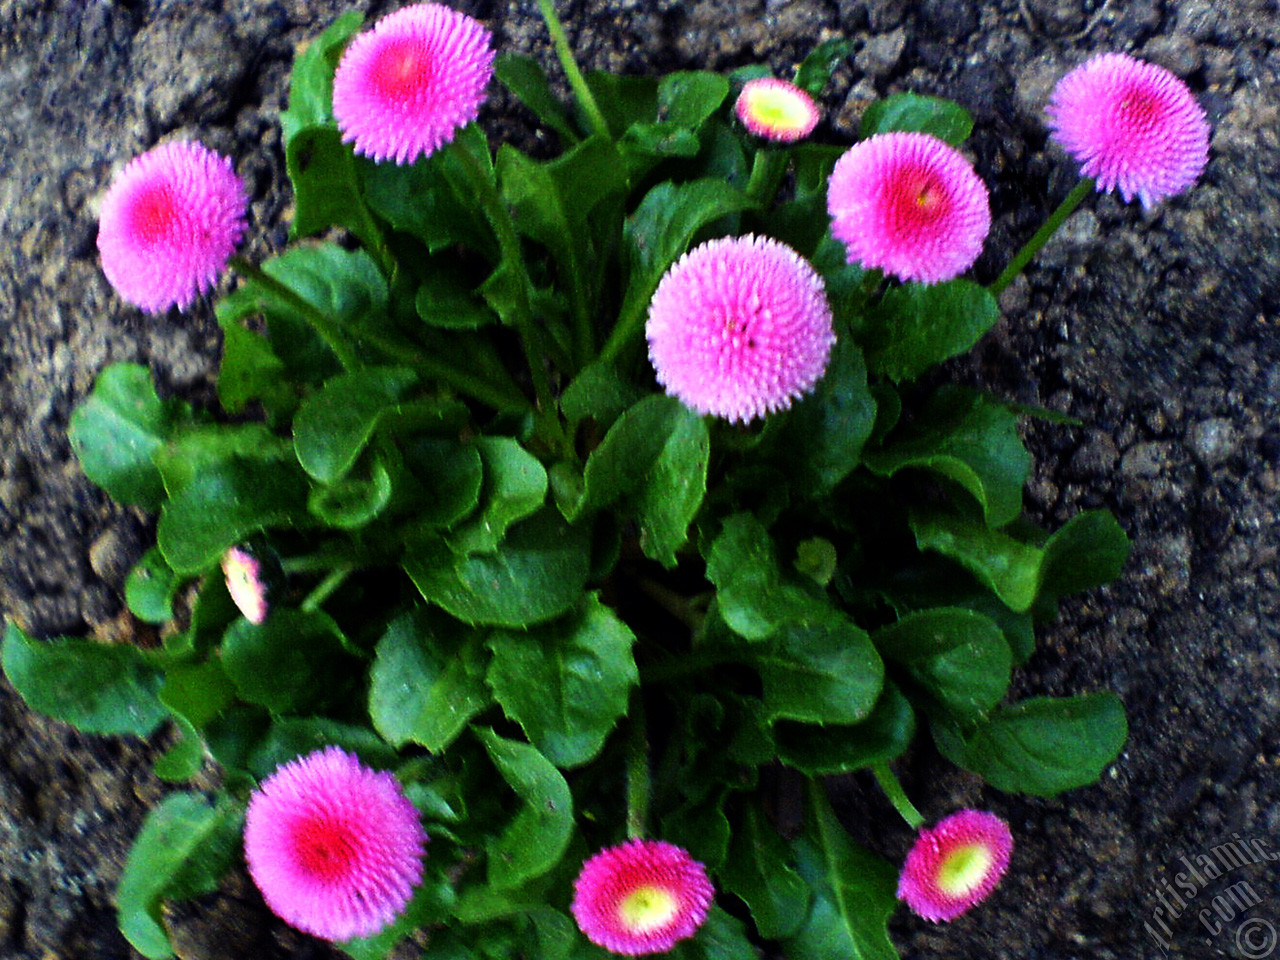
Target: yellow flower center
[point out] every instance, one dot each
(647, 908)
(779, 109)
(964, 869)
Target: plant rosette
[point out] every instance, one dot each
(551, 501)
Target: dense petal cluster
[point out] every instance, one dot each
(335, 847)
(1133, 126)
(169, 223)
(403, 89)
(243, 573)
(908, 204)
(776, 109)
(740, 327)
(955, 865)
(640, 897)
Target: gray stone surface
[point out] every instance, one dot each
(1160, 332)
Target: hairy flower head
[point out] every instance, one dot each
(740, 327)
(1132, 126)
(168, 224)
(335, 847)
(776, 109)
(955, 865)
(403, 89)
(908, 204)
(642, 896)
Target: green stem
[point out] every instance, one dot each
(897, 796)
(325, 588)
(576, 80)
(328, 329)
(500, 395)
(1041, 236)
(767, 170)
(638, 782)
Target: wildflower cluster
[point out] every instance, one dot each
(489, 616)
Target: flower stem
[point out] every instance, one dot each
(328, 329)
(576, 80)
(897, 796)
(325, 588)
(637, 771)
(1041, 236)
(766, 174)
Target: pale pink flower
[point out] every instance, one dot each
(955, 865)
(169, 223)
(243, 573)
(1132, 126)
(335, 847)
(403, 89)
(776, 109)
(640, 897)
(908, 204)
(740, 327)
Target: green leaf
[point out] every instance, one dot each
(427, 680)
(150, 588)
(334, 424)
(293, 660)
(1088, 551)
(820, 440)
(1009, 567)
(311, 82)
(537, 573)
(917, 326)
(291, 737)
(566, 683)
(356, 499)
(118, 427)
(250, 369)
(654, 459)
(1043, 745)
(688, 97)
(453, 474)
(94, 687)
(199, 448)
(721, 937)
(969, 439)
(958, 655)
(225, 504)
(195, 693)
(758, 871)
(515, 487)
(854, 892)
(536, 838)
(326, 186)
(822, 670)
(912, 112)
(821, 750)
(183, 849)
(446, 299)
(750, 593)
(624, 100)
(527, 81)
(814, 72)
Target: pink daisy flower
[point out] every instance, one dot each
(642, 896)
(955, 865)
(335, 847)
(243, 572)
(776, 109)
(740, 327)
(402, 89)
(1132, 126)
(909, 204)
(168, 224)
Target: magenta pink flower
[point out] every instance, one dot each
(642, 896)
(908, 204)
(243, 573)
(776, 109)
(168, 224)
(335, 847)
(740, 327)
(402, 89)
(1132, 126)
(955, 865)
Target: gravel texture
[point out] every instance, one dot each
(1159, 332)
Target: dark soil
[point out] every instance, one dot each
(1160, 332)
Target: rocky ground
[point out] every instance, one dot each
(1161, 332)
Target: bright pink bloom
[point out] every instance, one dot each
(1132, 126)
(243, 573)
(910, 205)
(335, 847)
(168, 224)
(740, 327)
(402, 89)
(955, 865)
(642, 896)
(776, 109)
